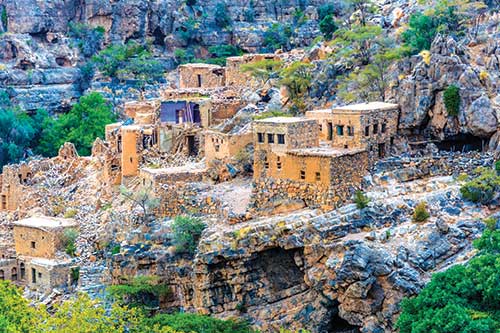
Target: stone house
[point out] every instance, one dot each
(37, 241)
(370, 126)
(201, 76)
(13, 270)
(223, 146)
(12, 180)
(291, 165)
(40, 236)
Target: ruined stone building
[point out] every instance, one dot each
(11, 182)
(201, 76)
(235, 76)
(369, 126)
(37, 241)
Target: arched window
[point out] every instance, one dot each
(13, 275)
(23, 271)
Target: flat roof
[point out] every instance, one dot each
(325, 151)
(50, 262)
(372, 106)
(46, 222)
(283, 120)
(199, 65)
(174, 170)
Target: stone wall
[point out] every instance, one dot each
(49, 274)
(236, 77)
(225, 146)
(201, 76)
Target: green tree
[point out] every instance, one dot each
(420, 33)
(222, 19)
(277, 37)
(194, 323)
(327, 26)
(89, 39)
(81, 126)
(451, 98)
(297, 77)
(483, 187)
(362, 8)
(356, 44)
(187, 231)
(141, 291)
(144, 198)
(263, 70)
(465, 298)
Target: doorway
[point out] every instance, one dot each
(330, 131)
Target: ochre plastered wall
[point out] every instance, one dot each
(201, 76)
(131, 138)
(46, 242)
(223, 146)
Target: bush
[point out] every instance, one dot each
(249, 13)
(222, 19)
(277, 37)
(497, 167)
(465, 298)
(195, 323)
(421, 214)
(361, 200)
(325, 10)
(89, 39)
(421, 32)
(451, 97)
(186, 233)
(481, 189)
(270, 114)
(68, 241)
(5, 19)
(191, 3)
(142, 291)
(327, 26)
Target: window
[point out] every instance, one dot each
(270, 138)
(384, 128)
(392, 140)
(23, 271)
(302, 174)
(350, 130)
(2, 274)
(340, 130)
(33, 245)
(33, 275)
(367, 131)
(39, 275)
(199, 81)
(260, 137)
(321, 127)
(13, 274)
(217, 148)
(281, 139)
(266, 163)
(278, 163)
(375, 128)
(318, 176)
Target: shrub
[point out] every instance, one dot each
(70, 213)
(325, 10)
(186, 233)
(142, 291)
(327, 26)
(361, 200)
(5, 18)
(491, 223)
(482, 188)
(451, 97)
(75, 274)
(277, 37)
(420, 33)
(68, 241)
(270, 114)
(222, 19)
(189, 31)
(115, 249)
(249, 13)
(191, 3)
(497, 167)
(89, 38)
(195, 323)
(421, 214)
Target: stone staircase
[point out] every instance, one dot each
(94, 278)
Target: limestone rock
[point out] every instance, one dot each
(481, 117)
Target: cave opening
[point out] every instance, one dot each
(339, 325)
(463, 143)
(159, 37)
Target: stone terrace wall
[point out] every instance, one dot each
(442, 164)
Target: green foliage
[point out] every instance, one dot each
(81, 126)
(115, 249)
(142, 291)
(327, 26)
(497, 167)
(219, 54)
(222, 19)
(270, 114)
(420, 213)
(361, 200)
(482, 188)
(143, 198)
(451, 97)
(249, 13)
(327, 9)
(461, 299)
(297, 77)
(68, 240)
(194, 323)
(186, 233)
(89, 39)
(189, 31)
(75, 274)
(129, 61)
(191, 3)
(277, 37)
(420, 33)
(5, 18)
(263, 70)
(491, 223)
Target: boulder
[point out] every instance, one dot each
(481, 118)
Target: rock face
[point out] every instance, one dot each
(420, 91)
(39, 64)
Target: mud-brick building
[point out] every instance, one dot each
(291, 165)
(44, 275)
(12, 180)
(201, 76)
(11, 269)
(370, 126)
(224, 146)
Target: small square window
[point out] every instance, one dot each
(33, 245)
(281, 139)
(260, 137)
(384, 128)
(350, 130)
(302, 174)
(39, 275)
(318, 176)
(278, 165)
(270, 138)
(367, 131)
(217, 148)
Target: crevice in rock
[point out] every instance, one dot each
(339, 325)
(463, 143)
